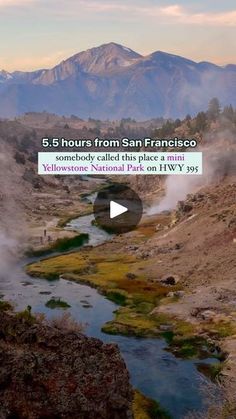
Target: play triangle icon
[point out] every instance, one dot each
(116, 209)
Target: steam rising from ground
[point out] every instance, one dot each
(219, 160)
(177, 187)
(11, 217)
(8, 248)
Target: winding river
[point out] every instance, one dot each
(175, 383)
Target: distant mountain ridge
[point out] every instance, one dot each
(113, 82)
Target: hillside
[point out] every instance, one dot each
(174, 276)
(49, 372)
(112, 81)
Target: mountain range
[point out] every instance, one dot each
(114, 82)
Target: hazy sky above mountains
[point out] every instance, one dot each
(40, 33)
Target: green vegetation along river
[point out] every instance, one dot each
(175, 383)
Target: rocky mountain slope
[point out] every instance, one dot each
(49, 373)
(112, 81)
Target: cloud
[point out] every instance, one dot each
(11, 3)
(182, 15)
(174, 11)
(105, 7)
(171, 14)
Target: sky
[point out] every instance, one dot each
(41, 33)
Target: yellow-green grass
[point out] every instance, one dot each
(128, 322)
(221, 329)
(110, 273)
(131, 283)
(62, 244)
(67, 218)
(145, 408)
(5, 306)
(107, 272)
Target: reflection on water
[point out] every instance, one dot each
(84, 225)
(157, 373)
(154, 371)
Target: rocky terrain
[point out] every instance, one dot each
(41, 202)
(174, 276)
(51, 373)
(44, 370)
(112, 81)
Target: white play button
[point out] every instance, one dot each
(116, 209)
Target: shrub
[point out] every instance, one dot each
(67, 323)
(57, 303)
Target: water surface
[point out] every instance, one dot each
(157, 373)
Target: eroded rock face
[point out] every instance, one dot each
(46, 373)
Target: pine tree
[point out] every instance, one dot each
(188, 117)
(201, 121)
(228, 112)
(214, 109)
